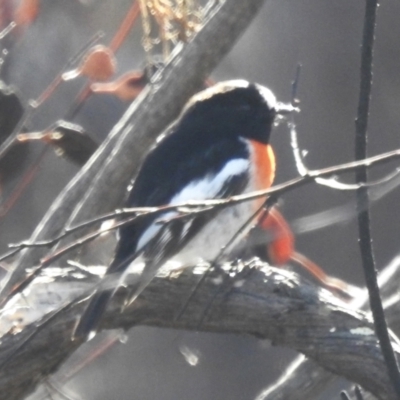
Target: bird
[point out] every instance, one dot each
(218, 147)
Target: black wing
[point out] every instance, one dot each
(178, 160)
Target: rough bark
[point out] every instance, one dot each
(262, 301)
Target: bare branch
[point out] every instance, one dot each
(267, 303)
(304, 378)
(184, 210)
(195, 207)
(362, 198)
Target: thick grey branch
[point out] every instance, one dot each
(296, 381)
(267, 303)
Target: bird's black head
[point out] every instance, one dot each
(235, 108)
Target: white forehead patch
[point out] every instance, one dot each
(227, 86)
(221, 87)
(268, 96)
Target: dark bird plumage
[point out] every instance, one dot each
(217, 148)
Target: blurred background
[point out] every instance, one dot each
(323, 36)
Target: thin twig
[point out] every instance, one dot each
(185, 209)
(128, 212)
(115, 44)
(11, 140)
(33, 105)
(362, 199)
(191, 207)
(125, 26)
(48, 260)
(9, 254)
(58, 79)
(302, 169)
(7, 30)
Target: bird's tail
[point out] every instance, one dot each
(89, 321)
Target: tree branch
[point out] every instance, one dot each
(304, 378)
(362, 198)
(266, 303)
(183, 210)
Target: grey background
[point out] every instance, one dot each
(325, 37)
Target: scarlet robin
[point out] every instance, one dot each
(218, 147)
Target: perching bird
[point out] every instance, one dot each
(218, 147)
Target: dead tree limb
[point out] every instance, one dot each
(306, 379)
(264, 302)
